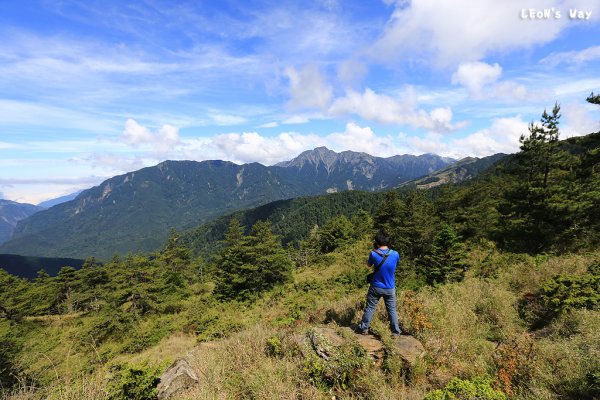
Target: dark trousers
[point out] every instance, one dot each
(389, 297)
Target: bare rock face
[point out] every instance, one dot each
(373, 346)
(324, 340)
(179, 376)
(409, 349)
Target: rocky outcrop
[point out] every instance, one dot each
(409, 349)
(323, 341)
(179, 376)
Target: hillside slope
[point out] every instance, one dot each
(10, 214)
(134, 211)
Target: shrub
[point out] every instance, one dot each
(565, 292)
(417, 320)
(514, 361)
(134, 382)
(273, 347)
(477, 388)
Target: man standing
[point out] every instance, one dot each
(384, 261)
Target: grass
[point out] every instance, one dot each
(470, 329)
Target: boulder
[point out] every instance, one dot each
(324, 340)
(373, 346)
(409, 349)
(179, 376)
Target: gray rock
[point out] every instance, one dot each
(409, 349)
(325, 340)
(179, 376)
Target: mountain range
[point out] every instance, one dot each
(134, 211)
(12, 212)
(458, 172)
(58, 200)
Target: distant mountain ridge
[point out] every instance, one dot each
(11, 213)
(134, 211)
(460, 171)
(58, 200)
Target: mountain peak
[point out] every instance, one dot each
(314, 157)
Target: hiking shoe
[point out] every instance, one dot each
(357, 329)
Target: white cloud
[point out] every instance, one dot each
(387, 110)
(135, 134)
(25, 113)
(6, 145)
(351, 72)
(40, 190)
(269, 125)
(482, 82)
(162, 142)
(115, 162)
(502, 136)
(475, 75)
(451, 32)
(578, 120)
(251, 147)
(296, 120)
(575, 58)
(308, 88)
(254, 147)
(363, 139)
(225, 119)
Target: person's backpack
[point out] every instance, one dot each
(385, 256)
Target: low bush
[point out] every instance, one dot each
(134, 382)
(477, 388)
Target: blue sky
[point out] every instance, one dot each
(92, 89)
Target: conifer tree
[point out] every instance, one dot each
(410, 222)
(272, 264)
(593, 98)
(176, 257)
(533, 203)
(336, 233)
(362, 224)
(249, 265)
(445, 262)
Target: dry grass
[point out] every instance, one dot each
(462, 325)
(239, 368)
(168, 350)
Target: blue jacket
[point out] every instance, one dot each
(384, 278)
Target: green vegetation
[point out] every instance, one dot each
(478, 388)
(499, 279)
(250, 265)
(113, 216)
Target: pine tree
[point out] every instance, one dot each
(264, 250)
(362, 224)
(338, 232)
(176, 257)
(532, 210)
(445, 262)
(593, 98)
(250, 265)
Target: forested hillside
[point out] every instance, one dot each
(499, 279)
(133, 212)
(12, 212)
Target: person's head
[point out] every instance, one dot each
(382, 239)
